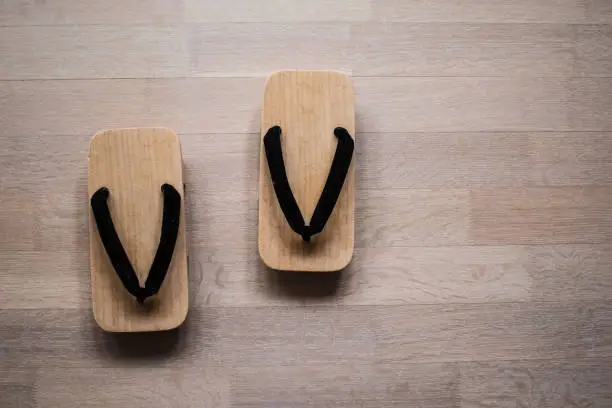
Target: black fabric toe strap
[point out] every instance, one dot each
(116, 253)
(331, 191)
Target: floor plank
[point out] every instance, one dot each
(508, 331)
(166, 51)
(460, 49)
(497, 11)
(480, 104)
(277, 10)
(541, 215)
(599, 11)
(211, 337)
(134, 387)
(469, 160)
(67, 12)
(256, 49)
(349, 386)
(231, 105)
(504, 384)
(17, 395)
(593, 45)
(257, 337)
(581, 383)
(443, 275)
(196, 105)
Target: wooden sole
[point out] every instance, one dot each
(308, 106)
(133, 164)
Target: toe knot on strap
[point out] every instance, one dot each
(306, 233)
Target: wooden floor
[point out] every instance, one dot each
(482, 275)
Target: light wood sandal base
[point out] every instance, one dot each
(308, 106)
(127, 169)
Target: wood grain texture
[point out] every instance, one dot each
(258, 337)
(480, 49)
(133, 164)
(545, 383)
(68, 12)
(543, 11)
(198, 49)
(599, 11)
(482, 104)
(278, 10)
(481, 159)
(473, 161)
(433, 161)
(17, 395)
(462, 49)
(508, 331)
(221, 277)
(153, 51)
(422, 276)
(136, 387)
(224, 105)
(308, 106)
(541, 215)
(384, 218)
(231, 105)
(481, 274)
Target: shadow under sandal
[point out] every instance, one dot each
(137, 230)
(305, 170)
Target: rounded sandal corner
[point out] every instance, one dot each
(346, 262)
(264, 259)
(102, 324)
(181, 320)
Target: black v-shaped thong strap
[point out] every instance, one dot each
(331, 191)
(116, 252)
